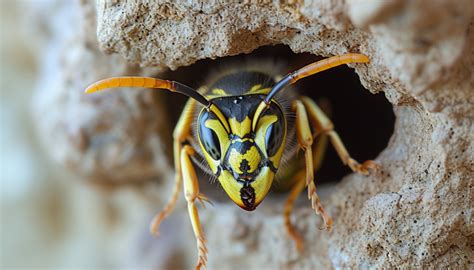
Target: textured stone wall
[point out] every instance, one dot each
(415, 212)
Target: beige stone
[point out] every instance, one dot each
(87, 132)
(415, 212)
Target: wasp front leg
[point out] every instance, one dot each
(191, 192)
(323, 125)
(288, 208)
(319, 148)
(181, 133)
(305, 141)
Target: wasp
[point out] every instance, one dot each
(243, 123)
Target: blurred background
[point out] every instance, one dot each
(70, 197)
(52, 217)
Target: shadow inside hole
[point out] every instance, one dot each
(363, 120)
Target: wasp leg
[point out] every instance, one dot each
(305, 141)
(181, 132)
(324, 125)
(319, 149)
(191, 192)
(288, 208)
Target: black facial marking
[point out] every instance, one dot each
(268, 163)
(242, 147)
(238, 107)
(244, 166)
(247, 194)
(250, 136)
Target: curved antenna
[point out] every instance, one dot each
(147, 82)
(314, 68)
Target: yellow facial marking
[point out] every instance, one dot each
(231, 187)
(219, 115)
(240, 128)
(261, 107)
(251, 156)
(262, 184)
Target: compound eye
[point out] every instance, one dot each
(208, 137)
(275, 133)
(274, 138)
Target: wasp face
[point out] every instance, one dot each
(244, 158)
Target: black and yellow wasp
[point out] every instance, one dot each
(243, 132)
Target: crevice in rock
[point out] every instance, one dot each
(364, 121)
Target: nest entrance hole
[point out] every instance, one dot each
(363, 120)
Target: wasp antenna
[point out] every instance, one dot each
(314, 68)
(147, 82)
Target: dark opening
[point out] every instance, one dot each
(363, 120)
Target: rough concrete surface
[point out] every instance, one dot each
(415, 212)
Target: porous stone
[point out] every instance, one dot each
(415, 212)
(116, 140)
(87, 132)
(416, 52)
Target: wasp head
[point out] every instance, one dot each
(242, 145)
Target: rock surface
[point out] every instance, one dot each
(415, 212)
(123, 152)
(89, 134)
